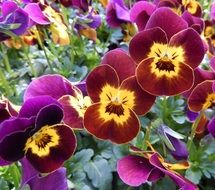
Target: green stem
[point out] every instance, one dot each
(164, 149)
(5, 84)
(6, 59)
(164, 114)
(26, 51)
(147, 137)
(192, 134)
(44, 49)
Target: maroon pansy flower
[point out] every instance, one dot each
(38, 134)
(166, 52)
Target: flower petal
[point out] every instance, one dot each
(211, 126)
(49, 115)
(142, 100)
(198, 98)
(164, 82)
(100, 77)
(167, 20)
(53, 85)
(47, 155)
(104, 124)
(121, 62)
(134, 170)
(141, 43)
(32, 106)
(192, 45)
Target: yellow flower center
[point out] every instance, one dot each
(210, 101)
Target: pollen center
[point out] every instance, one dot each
(41, 142)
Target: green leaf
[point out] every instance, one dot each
(194, 175)
(99, 173)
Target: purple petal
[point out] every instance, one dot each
(49, 115)
(141, 12)
(122, 12)
(35, 14)
(53, 85)
(82, 86)
(167, 20)
(134, 170)
(211, 126)
(181, 151)
(191, 115)
(8, 7)
(179, 180)
(28, 171)
(212, 12)
(4, 163)
(56, 180)
(212, 64)
(32, 106)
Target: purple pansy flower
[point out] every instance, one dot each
(70, 97)
(117, 13)
(56, 180)
(38, 134)
(12, 19)
(135, 170)
(173, 142)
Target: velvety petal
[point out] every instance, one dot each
(211, 126)
(167, 20)
(155, 175)
(164, 85)
(141, 43)
(197, 98)
(98, 78)
(134, 170)
(32, 106)
(82, 87)
(192, 45)
(53, 85)
(28, 172)
(121, 62)
(212, 11)
(143, 101)
(212, 63)
(56, 180)
(122, 12)
(181, 151)
(59, 147)
(19, 17)
(191, 115)
(119, 129)
(49, 115)
(8, 7)
(74, 110)
(4, 163)
(141, 12)
(35, 13)
(200, 76)
(179, 180)
(12, 147)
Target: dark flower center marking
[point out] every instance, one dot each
(115, 108)
(43, 141)
(165, 64)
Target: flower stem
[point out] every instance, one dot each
(164, 114)
(44, 49)
(192, 134)
(5, 83)
(147, 137)
(6, 60)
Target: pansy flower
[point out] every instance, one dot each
(117, 99)
(68, 95)
(166, 54)
(193, 7)
(13, 20)
(212, 11)
(38, 134)
(149, 166)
